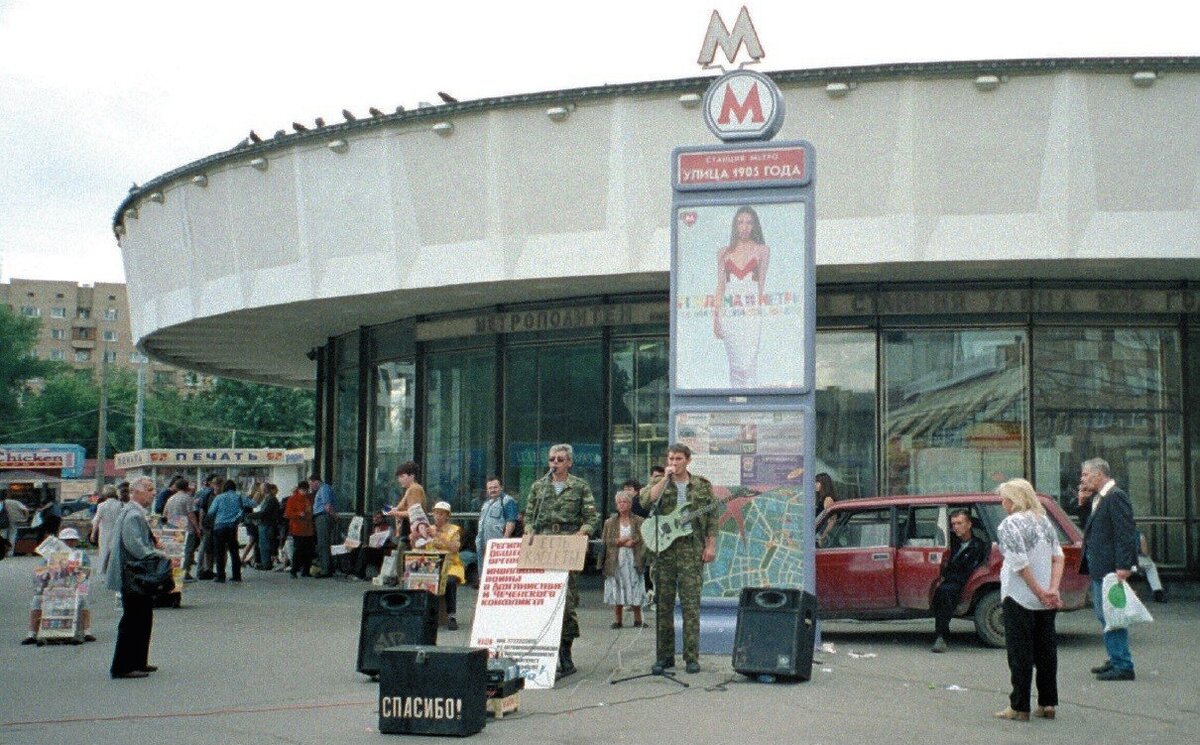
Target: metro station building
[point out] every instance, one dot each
(1008, 280)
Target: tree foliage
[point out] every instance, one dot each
(228, 413)
(18, 365)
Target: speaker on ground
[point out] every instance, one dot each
(775, 633)
(391, 618)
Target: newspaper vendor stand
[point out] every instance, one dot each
(426, 570)
(63, 583)
(171, 541)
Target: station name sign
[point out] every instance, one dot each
(740, 168)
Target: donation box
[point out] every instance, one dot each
(426, 690)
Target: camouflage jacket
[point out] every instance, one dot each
(699, 497)
(565, 513)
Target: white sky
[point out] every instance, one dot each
(97, 95)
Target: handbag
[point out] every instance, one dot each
(149, 576)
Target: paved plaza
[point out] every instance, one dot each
(272, 661)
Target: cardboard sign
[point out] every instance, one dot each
(518, 612)
(565, 552)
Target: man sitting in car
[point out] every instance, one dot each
(965, 555)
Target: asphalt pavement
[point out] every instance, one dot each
(273, 660)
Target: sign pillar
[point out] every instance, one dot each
(743, 323)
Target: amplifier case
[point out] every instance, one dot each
(426, 690)
(391, 618)
(775, 632)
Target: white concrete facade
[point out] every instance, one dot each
(1067, 170)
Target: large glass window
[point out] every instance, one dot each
(345, 438)
(552, 394)
(846, 411)
(641, 396)
(392, 428)
(954, 409)
(460, 426)
(1114, 393)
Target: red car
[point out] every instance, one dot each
(878, 559)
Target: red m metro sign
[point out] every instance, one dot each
(743, 105)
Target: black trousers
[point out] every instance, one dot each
(945, 600)
(368, 556)
(133, 634)
(304, 548)
(451, 595)
(1031, 641)
(225, 541)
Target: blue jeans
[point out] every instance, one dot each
(266, 545)
(1116, 643)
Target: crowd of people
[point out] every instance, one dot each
(298, 534)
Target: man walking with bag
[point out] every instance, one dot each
(1109, 546)
(133, 541)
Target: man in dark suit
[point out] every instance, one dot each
(966, 553)
(1109, 546)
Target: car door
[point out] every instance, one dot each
(855, 563)
(922, 545)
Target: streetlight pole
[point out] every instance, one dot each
(139, 411)
(102, 427)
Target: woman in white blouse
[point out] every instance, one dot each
(1029, 579)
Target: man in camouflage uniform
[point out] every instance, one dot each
(680, 566)
(562, 504)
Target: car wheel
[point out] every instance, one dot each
(989, 620)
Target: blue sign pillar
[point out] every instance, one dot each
(743, 327)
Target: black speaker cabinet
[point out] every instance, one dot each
(427, 690)
(775, 633)
(392, 617)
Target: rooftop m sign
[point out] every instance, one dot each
(743, 105)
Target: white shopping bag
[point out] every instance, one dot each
(1122, 608)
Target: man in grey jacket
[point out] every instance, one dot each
(133, 540)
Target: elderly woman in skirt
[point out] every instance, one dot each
(624, 562)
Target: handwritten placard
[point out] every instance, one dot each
(566, 552)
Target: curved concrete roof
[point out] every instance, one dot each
(1066, 169)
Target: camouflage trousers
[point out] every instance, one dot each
(680, 570)
(570, 623)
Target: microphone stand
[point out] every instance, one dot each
(667, 674)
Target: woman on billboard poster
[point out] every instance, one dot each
(741, 282)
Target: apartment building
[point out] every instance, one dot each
(85, 325)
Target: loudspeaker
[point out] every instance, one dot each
(427, 690)
(392, 617)
(775, 632)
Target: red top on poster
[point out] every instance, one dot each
(752, 166)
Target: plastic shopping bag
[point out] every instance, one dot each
(1122, 608)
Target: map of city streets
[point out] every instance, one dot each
(760, 543)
